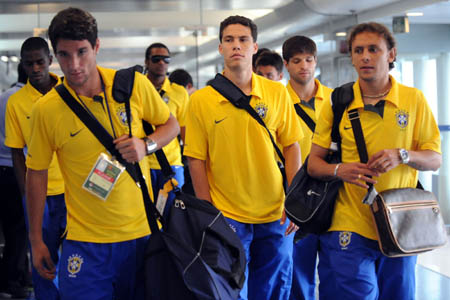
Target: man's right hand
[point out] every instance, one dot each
(42, 260)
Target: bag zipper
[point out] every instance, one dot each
(412, 205)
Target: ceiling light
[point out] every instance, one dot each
(4, 58)
(415, 14)
(14, 58)
(341, 33)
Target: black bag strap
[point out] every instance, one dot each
(341, 98)
(122, 89)
(236, 97)
(95, 127)
(305, 117)
(107, 141)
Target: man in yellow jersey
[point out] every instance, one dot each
(102, 255)
(36, 60)
(232, 161)
(270, 65)
(308, 95)
(157, 59)
(401, 137)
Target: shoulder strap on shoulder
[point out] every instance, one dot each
(307, 119)
(123, 83)
(341, 98)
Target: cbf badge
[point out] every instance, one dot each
(121, 113)
(166, 99)
(74, 265)
(345, 238)
(402, 118)
(103, 176)
(261, 108)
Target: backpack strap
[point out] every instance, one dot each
(341, 98)
(122, 90)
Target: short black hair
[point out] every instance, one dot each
(372, 27)
(238, 20)
(257, 54)
(181, 77)
(298, 44)
(155, 45)
(270, 58)
(73, 24)
(34, 43)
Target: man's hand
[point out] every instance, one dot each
(291, 228)
(384, 160)
(42, 260)
(357, 173)
(132, 149)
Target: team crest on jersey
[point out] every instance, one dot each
(74, 264)
(121, 113)
(402, 118)
(345, 238)
(261, 108)
(165, 99)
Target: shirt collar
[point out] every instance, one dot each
(35, 92)
(256, 88)
(392, 96)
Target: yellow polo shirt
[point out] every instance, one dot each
(18, 130)
(56, 128)
(244, 180)
(407, 122)
(323, 93)
(177, 99)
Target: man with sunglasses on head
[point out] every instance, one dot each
(157, 59)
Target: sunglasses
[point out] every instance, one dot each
(157, 58)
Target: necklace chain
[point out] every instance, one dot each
(379, 95)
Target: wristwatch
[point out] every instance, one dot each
(404, 155)
(150, 146)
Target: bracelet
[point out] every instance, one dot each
(336, 169)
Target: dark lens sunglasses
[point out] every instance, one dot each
(157, 58)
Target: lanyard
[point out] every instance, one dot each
(107, 107)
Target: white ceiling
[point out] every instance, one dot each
(126, 28)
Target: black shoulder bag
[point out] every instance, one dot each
(408, 221)
(310, 201)
(197, 255)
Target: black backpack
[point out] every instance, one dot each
(197, 255)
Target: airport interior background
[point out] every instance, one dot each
(190, 30)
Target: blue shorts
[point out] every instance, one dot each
(269, 259)
(53, 227)
(97, 271)
(158, 183)
(304, 258)
(353, 267)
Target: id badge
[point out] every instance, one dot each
(103, 176)
(164, 194)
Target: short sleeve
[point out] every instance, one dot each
(196, 144)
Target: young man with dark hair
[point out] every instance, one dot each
(157, 59)
(232, 161)
(102, 255)
(36, 60)
(13, 263)
(401, 137)
(183, 78)
(300, 59)
(270, 65)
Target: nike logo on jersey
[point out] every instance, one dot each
(347, 128)
(218, 121)
(75, 133)
(28, 117)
